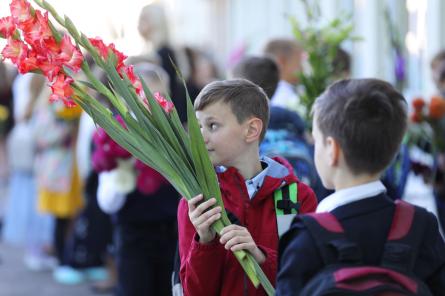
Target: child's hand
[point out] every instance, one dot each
(202, 217)
(235, 238)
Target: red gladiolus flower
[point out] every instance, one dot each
(437, 107)
(129, 71)
(15, 50)
(49, 66)
(61, 90)
(21, 13)
(418, 104)
(104, 49)
(100, 46)
(166, 105)
(28, 64)
(7, 27)
(119, 56)
(38, 30)
(70, 56)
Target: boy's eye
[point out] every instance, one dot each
(213, 126)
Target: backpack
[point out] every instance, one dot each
(282, 142)
(286, 208)
(346, 274)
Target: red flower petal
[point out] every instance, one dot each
(15, 50)
(7, 27)
(21, 13)
(165, 104)
(61, 90)
(70, 56)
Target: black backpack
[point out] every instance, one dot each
(345, 274)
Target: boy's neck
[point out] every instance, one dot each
(249, 164)
(347, 180)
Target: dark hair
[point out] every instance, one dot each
(368, 117)
(342, 62)
(262, 71)
(245, 99)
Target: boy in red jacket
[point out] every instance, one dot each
(233, 115)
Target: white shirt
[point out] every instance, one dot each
(349, 195)
(286, 96)
(254, 184)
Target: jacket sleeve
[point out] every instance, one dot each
(270, 266)
(202, 265)
(430, 264)
(307, 199)
(299, 260)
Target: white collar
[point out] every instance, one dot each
(349, 195)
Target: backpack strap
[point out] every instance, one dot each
(329, 236)
(286, 201)
(286, 206)
(403, 241)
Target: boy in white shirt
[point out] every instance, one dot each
(358, 126)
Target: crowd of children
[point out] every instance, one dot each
(309, 205)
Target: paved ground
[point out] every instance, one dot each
(16, 280)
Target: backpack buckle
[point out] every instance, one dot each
(287, 205)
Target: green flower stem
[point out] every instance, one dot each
(103, 89)
(45, 5)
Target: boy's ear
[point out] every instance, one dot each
(254, 127)
(333, 150)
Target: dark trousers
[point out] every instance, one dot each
(61, 229)
(145, 255)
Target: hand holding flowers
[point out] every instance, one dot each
(152, 133)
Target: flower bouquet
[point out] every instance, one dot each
(152, 131)
(428, 132)
(429, 122)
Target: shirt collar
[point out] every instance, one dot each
(254, 184)
(349, 195)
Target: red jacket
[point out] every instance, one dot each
(210, 270)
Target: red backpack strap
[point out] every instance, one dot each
(401, 221)
(404, 237)
(329, 236)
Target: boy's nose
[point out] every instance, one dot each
(204, 136)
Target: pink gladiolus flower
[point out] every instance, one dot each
(15, 50)
(21, 13)
(166, 105)
(70, 56)
(7, 27)
(61, 90)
